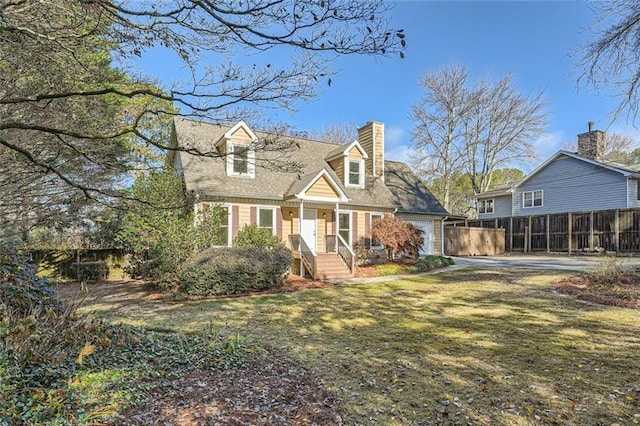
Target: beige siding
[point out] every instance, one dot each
(323, 228)
(223, 147)
(437, 237)
(244, 215)
(290, 224)
(361, 225)
(338, 166)
(355, 154)
(241, 137)
(322, 188)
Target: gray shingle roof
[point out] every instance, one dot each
(410, 194)
(207, 175)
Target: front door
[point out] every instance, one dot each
(309, 228)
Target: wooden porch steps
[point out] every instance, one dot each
(331, 266)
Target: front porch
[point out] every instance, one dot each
(337, 260)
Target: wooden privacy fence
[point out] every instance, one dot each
(93, 263)
(473, 241)
(610, 230)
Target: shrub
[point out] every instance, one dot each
(234, 270)
(251, 236)
(428, 263)
(59, 367)
(160, 232)
(23, 292)
(398, 236)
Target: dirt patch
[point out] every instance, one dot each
(624, 292)
(269, 389)
(137, 290)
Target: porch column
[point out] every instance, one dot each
(337, 219)
(300, 216)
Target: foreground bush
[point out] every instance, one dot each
(251, 236)
(58, 367)
(224, 270)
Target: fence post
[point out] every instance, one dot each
(591, 246)
(617, 230)
(548, 236)
(511, 234)
(569, 229)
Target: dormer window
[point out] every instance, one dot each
(356, 173)
(238, 147)
(240, 160)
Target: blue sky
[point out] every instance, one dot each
(532, 40)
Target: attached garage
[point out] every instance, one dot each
(428, 229)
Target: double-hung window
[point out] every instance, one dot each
(344, 226)
(375, 217)
(485, 206)
(532, 199)
(355, 173)
(266, 219)
(240, 160)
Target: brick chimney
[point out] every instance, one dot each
(591, 144)
(371, 137)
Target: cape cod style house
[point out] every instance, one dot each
(320, 198)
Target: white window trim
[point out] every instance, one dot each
(347, 212)
(251, 161)
(273, 217)
(484, 201)
(346, 168)
(371, 229)
(533, 206)
(229, 223)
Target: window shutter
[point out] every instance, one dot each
(234, 221)
(354, 228)
(279, 223)
(253, 215)
(367, 229)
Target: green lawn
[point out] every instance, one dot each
(497, 348)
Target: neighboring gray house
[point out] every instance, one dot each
(567, 182)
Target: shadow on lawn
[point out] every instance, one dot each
(485, 346)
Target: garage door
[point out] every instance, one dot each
(427, 228)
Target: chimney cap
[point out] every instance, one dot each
(590, 125)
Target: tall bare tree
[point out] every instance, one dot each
(612, 59)
(339, 133)
(439, 125)
(476, 129)
(71, 124)
(500, 127)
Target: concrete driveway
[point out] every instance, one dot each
(558, 262)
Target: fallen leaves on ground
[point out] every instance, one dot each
(269, 389)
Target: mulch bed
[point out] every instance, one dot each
(270, 389)
(623, 293)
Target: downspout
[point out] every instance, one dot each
(442, 235)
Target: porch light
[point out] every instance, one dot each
(290, 213)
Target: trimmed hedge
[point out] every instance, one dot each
(234, 270)
(430, 262)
